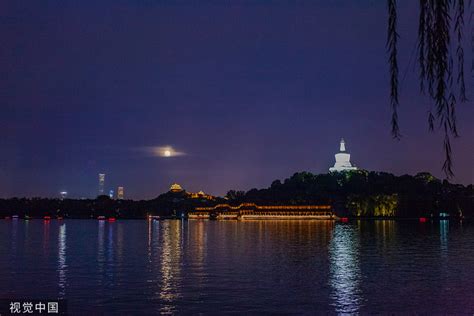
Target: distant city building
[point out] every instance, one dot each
(176, 188)
(101, 183)
(120, 193)
(111, 194)
(343, 159)
(63, 195)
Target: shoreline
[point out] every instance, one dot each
(253, 219)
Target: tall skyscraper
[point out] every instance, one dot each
(101, 183)
(120, 193)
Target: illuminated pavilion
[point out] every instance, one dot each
(343, 159)
(176, 188)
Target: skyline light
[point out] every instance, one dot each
(101, 183)
(120, 193)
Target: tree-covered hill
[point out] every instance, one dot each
(364, 193)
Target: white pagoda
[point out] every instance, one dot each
(343, 159)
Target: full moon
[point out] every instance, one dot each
(166, 151)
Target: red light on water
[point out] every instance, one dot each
(344, 219)
(423, 219)
(111, 219)
(47, 218)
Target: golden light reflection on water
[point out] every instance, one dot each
(304, 231)
(46, 228)
(119, 243)
(345, 274)
(153, 256)
(385, 228)
(106, 254)
(196, 251)
(100, 249)
(385, 232)
(443, 235)
(199, 239)
(170, 265)
(14, 236)
(62, 266)
(110, 249)
(149, 225)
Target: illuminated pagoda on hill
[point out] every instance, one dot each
(343, 159)
(176, 188)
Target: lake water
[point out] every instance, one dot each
(302, 267)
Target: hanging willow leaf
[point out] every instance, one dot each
(421, 43)
(392, 37)
(458, 29)
(435, 58)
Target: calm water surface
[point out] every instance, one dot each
(229, 266)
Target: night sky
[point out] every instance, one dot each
(247, 92)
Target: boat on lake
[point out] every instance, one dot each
(251, 211)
